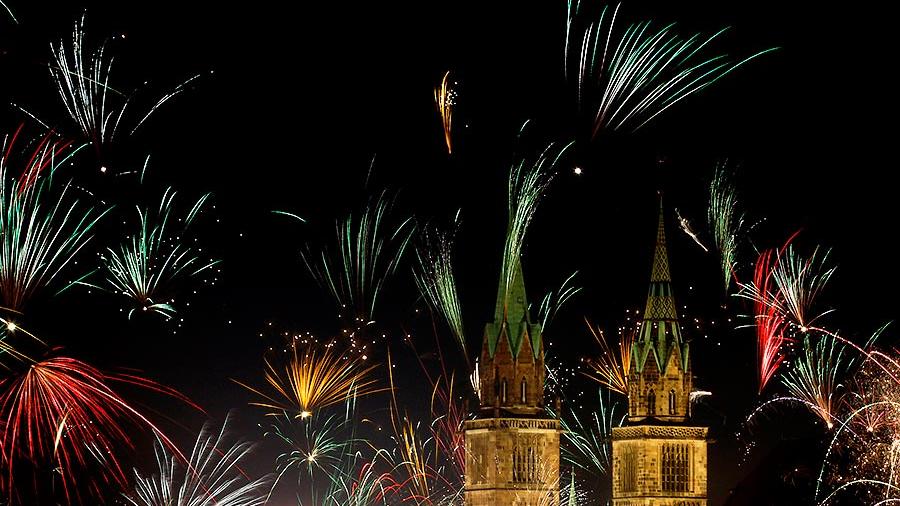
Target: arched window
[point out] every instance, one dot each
(672, 401)
(503, 391)
(524, 390)
(651, 403)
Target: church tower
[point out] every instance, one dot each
(659, 458)
(512, 446)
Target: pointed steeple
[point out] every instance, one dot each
(660, 333)
(572, 494)
(660, 379)
(512, 356)
(511, 314)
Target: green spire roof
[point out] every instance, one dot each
(572, 494)
(511, 314)
(660, 331)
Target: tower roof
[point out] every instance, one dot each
(511, 315)
(660, 333)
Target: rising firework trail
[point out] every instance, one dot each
(685, 227)
(725, 221)
(436, 281)
(444, 100)
(628, 77)
(769, 321)
(528, 181)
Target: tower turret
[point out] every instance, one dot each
(659, 383)
(659, 459)
(512, 355)
(512, 446)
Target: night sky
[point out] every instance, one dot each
(295, 103)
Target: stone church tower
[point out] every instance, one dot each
(659, 458)
(512, 447)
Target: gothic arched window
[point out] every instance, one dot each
(672, 401)
(524, 390)
(651, 403)
(503, 390)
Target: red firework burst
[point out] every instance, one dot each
(770, 322)
(60, 417)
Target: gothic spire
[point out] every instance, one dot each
(511, 313)
(660, 332)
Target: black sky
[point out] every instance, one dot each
(302, 98)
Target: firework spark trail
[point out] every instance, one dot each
(611, 368)
(527, 184)
(553, 301)
(150, 263)
(368, 486)
(41, 230)
(8, 328)
(685, 226)
(212, 476)
(317, 444)
(641, 72)
(436, 281)
(311, 381)
(844, 425)
(799, 281)
(82, 78)
(444, 100)
(425, 484)
(769, 321)
(816, 374)
(9, 11)
(63, 411)
(588, 442)
(725, 221)
(448, 413)
(362, 258)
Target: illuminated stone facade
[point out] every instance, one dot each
(659, 459)
(512, 447)
(512, 461)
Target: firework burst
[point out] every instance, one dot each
(630, 77)
(313, 380)
(611, 368)
(41, 228)
(436, 281)
(815, 375)
(82, 78)
(60, 414)
(150, 263)
(586, 443)
(354, 269)
(770, 323)
(212, 476)
(800, 280)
